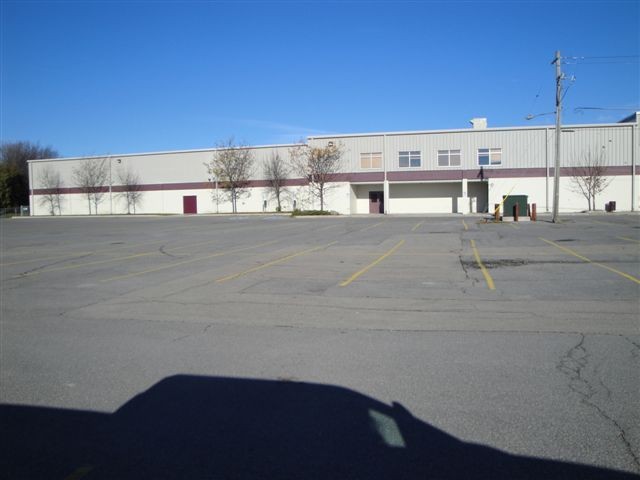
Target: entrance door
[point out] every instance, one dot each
(376, 202)
(190, 204)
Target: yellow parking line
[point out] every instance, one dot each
(484, 270)
(370, 227)
(416, 226)
(464, 224)
(99, 262)
(42, 259)
(85, 264)
(605, 223)
(71, 256)
(79, 473)
(371, 265)
(515, 226)
(274, 262)
(199, 259)
(629, 239)
(328, 227)
(588, 260)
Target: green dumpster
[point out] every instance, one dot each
(512, 200)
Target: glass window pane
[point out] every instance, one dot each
(404, 162)
(443, 161)
(455, 152)
(483, 159)
(443, 152)
(376, 161)
(455, 160)
(415, 162)
(483, 150)
(415, 153)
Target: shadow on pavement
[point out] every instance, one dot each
(189, 427)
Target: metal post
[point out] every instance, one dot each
(110, 190)
(634, 139)
(546, 168)
(556, 169)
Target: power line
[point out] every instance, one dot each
(604, 56)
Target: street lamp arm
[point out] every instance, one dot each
(531, 116)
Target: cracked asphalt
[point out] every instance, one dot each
(97, 311)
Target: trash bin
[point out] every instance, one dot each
(511, 200)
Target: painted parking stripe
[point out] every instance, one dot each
(185, 262)
(274, 262)
(464, 224)
(416, 226)
(79, 473)
(485, 272)
(588, 260)
(370, 227)
(109, 260)
(629, 239)
(371, 265)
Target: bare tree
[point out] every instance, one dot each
(318, 165)
(231, 166)
(276, 171)
(131, 188)
(91, 176)
(51, 183)
(589, 178)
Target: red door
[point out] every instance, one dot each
(376, 202)
(190, 204)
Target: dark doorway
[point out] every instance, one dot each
(376, 202)
(190, 204)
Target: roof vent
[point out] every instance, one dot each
(478, 123)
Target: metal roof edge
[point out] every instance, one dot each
(165, 152)
(469, 130)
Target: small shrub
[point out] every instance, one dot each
(303, 213)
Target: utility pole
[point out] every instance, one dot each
(556, 169)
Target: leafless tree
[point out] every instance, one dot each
(318, 165)
(131, 188)
(92, 176)
(232, 166)
(589, 177)
(276, 171)
(51, 183)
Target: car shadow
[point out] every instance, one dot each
(193, 427)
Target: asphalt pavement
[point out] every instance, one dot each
(330, 347)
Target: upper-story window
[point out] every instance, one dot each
(489, 156)
(448, 158)
(409, 159)
(371, 160)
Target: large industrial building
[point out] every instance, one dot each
(439, 171)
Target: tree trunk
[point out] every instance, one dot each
(321, 199)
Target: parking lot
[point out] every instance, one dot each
(521, 337)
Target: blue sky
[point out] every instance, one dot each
(92, 78)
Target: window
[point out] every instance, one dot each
(448, 158)
(371, 160)
(489, 156)
(409, 159)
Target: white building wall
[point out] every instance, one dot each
(522, 149)
(424, 197)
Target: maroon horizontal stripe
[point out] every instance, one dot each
(395, 176)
